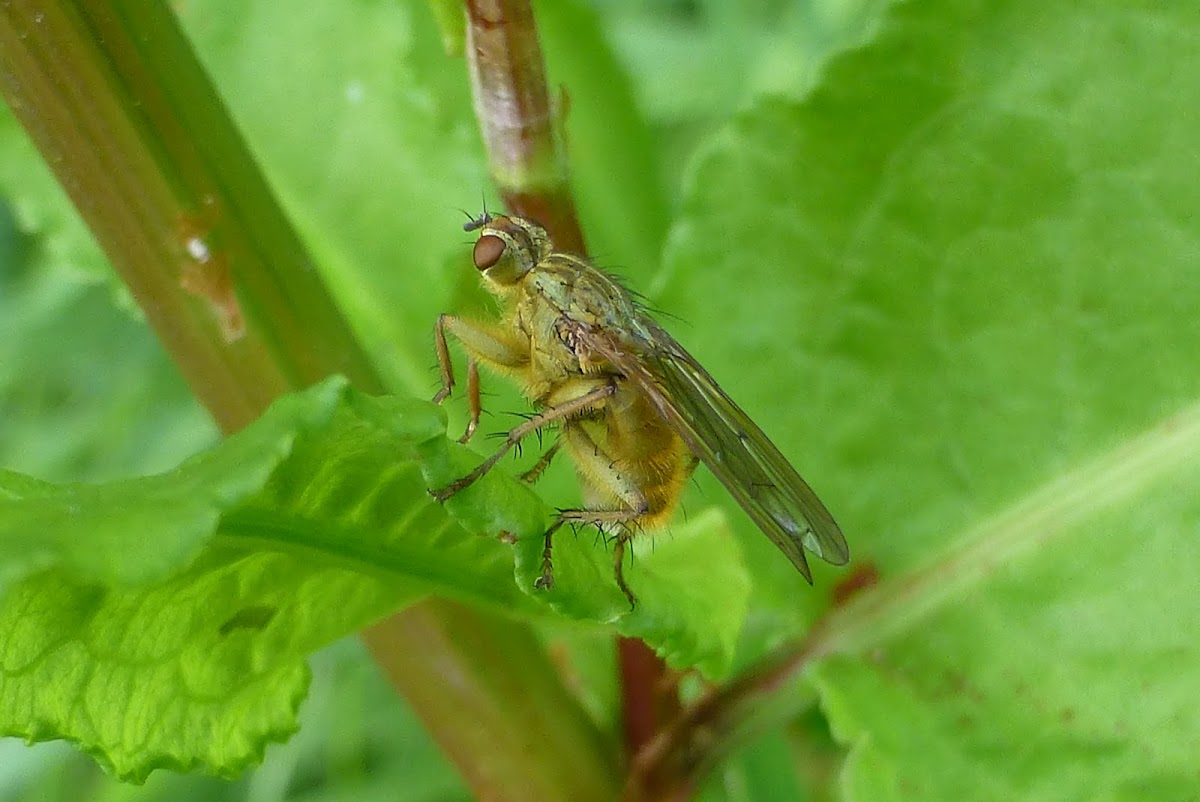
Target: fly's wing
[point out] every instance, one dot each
(725, 439)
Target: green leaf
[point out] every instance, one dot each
(141, 617)
(689, 580)
(964, 286)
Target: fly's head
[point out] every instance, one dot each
(508, 248)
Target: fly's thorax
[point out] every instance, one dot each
(591, 295)
(560, 299)
(586, 300)
(552, 360)
(553, 285)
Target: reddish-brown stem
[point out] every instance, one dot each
(649, 694)
(522, 132)
(517, 119)
(671, 765)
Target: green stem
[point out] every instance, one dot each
(519, 699)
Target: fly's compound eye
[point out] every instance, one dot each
(488, 250)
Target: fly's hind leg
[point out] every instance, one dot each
(624, 521)
(546, 580)
(623, 537)
(602, 474)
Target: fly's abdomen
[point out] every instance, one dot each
(628, 458)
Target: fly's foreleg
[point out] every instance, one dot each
(445, 365)
(563, 410)
(483, 344)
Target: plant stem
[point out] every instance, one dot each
(521, 700)
(518, 122)
(522, 135)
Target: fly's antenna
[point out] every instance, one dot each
(473, 223)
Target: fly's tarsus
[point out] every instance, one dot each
(533, 474)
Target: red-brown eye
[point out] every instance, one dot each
(488, 250)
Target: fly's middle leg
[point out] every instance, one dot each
(533, 474)
(623, 521)
(563, 410)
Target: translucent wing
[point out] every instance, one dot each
(725, 439)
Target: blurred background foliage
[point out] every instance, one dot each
(86, 393)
